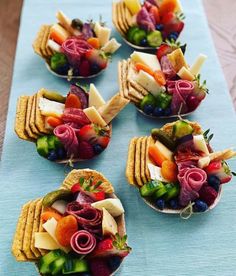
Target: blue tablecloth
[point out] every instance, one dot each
(162, 244)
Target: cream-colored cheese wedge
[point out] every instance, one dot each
(204, 162)
(111, 46)
(94, 116)
(148, 82)
(147, 59)
(196, 67)
(112, 205)
(155, 173)
(185, 74)
(66, 23)
(102, 33)
(109, 225)
(200, 143)
(50, 226)
(50, 108)
(95, 98)
(44, 241)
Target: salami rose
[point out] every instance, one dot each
(83, 242)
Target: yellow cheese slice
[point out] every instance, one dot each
(134, 6)
(50, 226)
(95, 98)
(177, 59)
(109, 225)
(185, 74)
(196, 67)
(44, 241)
(94, 116)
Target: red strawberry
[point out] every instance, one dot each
(112, 246)
(98, 57)
(99, 267)
(103, 141)
(84, 68)
(85, 150)
(168, 18)
(219, 169)
(172, 23)
(208, 194)
(177, 27)
(163, 50)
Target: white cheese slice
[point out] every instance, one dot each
(112, 205)
(102, 33)
(44, 241)
(147, 59)
(148, 82)
(66, 23)
(54, 46)
(60, 206)
(111, 46)
(109, 225)
(50, 108)
(94, 116)
(95, 98)
(50, 226)
(196, 67)
(155, 173)
(204, 162)
(200, 143)
(185, 74)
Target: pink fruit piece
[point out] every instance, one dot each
(99, 267)
(208, 194)
(84, 68)
(85, 150)
(219, 169)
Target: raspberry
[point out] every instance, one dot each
(208, 194)
(85, 150)
(99, 267)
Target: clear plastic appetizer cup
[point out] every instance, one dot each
(67, 129)
(74, 49)
(162, 85)
(79, 228)
(146, 26)
(176, 170)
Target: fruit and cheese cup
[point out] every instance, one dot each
(176, 170)
(68, 128)
(79, 228)
(162, 85)
(75, 49)
(146, 25)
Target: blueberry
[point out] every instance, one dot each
(97, 148)
(52, 156)
(167, 111)
(214, 182)
(172, 37)
(61, 153)
(174, 203)
(143, 42)
(63, 70)
(114, 262)
(200, 206)
(95, 68)
(148, 109)
(160, 204)
(158, 111)
(160, 27)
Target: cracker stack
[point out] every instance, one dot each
(29, 123)
(40, 44)
(121, 17)
(129, 88)
(29, 222)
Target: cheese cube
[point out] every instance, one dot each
(109, 225)
(112, 205)
(177, 60)
(50, 226)
(94, 116)
(196, 67)
(95, 98)
(148, 82)
(200, 143)
(44, 241)
(112, 107)
(111, 46)
(185, 74)
(102, 33)
(147, 59)
(50, 108)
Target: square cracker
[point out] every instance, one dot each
(123, 17)
(38, 40)
(134, 93)
(138, 162)
(114, 17)
(120, 78)
(143, 161)
(39, 118)
(44, 42)
(149, 142)
(36, 222)
(41, 229)
(28, 231)
(125, 83)
(19, 234)
(119, 19)
(28, 129)
(21, 118)
(130, 165)
(33, 117)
